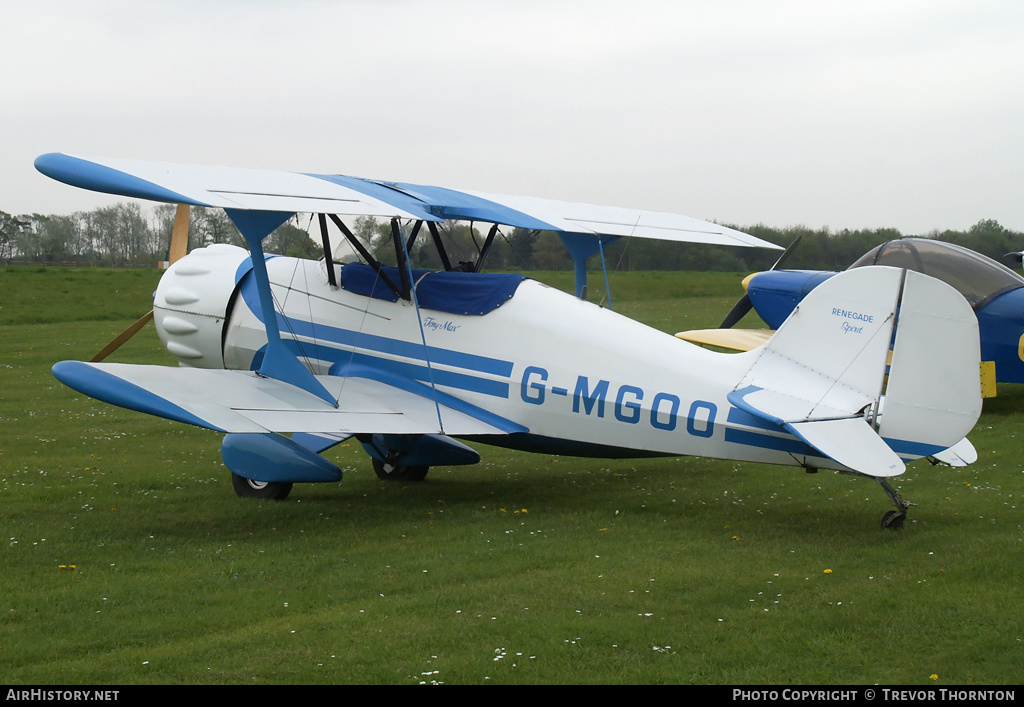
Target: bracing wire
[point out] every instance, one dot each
(423, 335)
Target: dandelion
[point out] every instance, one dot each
(933, 676)
(828, 571)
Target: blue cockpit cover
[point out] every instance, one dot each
(452, 292)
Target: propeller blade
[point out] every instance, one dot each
(179, 247)
(123, 337)
(179, 235)
(744, 304)
(786, 253)
(739, 310)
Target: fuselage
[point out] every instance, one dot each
(582, 379)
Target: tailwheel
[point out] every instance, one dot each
(893, 520)
(249, 488)
(398, 472)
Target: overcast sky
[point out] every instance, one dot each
(863, 114)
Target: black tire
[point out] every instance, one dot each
(387, 472)
(247, 488)
(893, 520)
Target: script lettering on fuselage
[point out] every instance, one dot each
(849, 328)
(437, 325)
(595, 398)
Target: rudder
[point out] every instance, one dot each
(933, 396)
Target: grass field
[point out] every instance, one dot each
(127, 558)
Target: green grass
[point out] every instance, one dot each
(127, 559)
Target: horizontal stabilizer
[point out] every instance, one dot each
(779, 408)
(960, 454)
(847, 439)
(852, 443)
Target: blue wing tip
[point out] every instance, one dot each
(87, 174)
(93, 380)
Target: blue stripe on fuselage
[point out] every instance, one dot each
(451, 379)
(790, 445)
(323, 335)
(742, 417)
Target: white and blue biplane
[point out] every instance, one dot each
(287, 357)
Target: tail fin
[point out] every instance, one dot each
(823, 375)
(933, 397)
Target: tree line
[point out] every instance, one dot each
(128, 235)
(124, 235)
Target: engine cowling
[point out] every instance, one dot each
(192, 303)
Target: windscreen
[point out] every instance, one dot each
(977, 277)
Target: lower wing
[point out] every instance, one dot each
(243, 401)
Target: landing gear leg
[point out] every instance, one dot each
(397, 472)
(893, 520)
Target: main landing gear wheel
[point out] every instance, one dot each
(392, 472)
(248, 488)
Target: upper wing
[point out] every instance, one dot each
(222, 187)
(264, 190)
(243, 401)
(573, 217)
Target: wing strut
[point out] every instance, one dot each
(487, 247)
(328, 260)
(441, 251)
(604, 269)
(412, 236)
(371, 261)
(581, 246)
(278, 362)
(406, 265)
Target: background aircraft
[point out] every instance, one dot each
(994, 291)
(287, 357)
